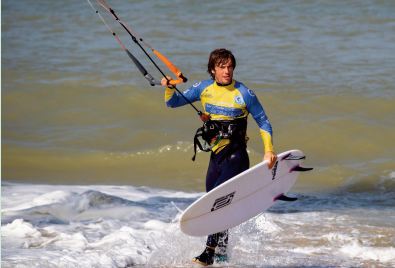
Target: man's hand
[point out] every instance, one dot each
(165, 81)
(271, 157)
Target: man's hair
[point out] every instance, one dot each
(218, 57)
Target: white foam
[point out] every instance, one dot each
(19, 229)
(156, 225)
(44, 199)
(117, 226)
(338, 238)
(380, 254)
(265, 223)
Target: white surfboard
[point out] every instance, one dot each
(243, 196)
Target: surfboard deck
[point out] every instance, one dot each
(243, 196)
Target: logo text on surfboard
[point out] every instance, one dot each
(223, 201)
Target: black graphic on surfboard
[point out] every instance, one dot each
(223, 201)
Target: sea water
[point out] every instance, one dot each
(96, 170)
(125, 226)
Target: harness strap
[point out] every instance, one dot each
(197, 143)
(234, 130)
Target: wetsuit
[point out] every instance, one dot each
(229, 157)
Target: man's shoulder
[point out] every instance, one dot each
(244, 90)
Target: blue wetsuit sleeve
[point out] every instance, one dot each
(255, 108)
(174, 99)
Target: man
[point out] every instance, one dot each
(227, 103)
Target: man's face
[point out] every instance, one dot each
(223, 73)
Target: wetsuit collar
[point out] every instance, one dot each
(224, 85)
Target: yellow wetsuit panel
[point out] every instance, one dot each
(225, 103)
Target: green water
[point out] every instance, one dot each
(75, 110)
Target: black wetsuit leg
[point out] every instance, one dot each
(226, 164)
